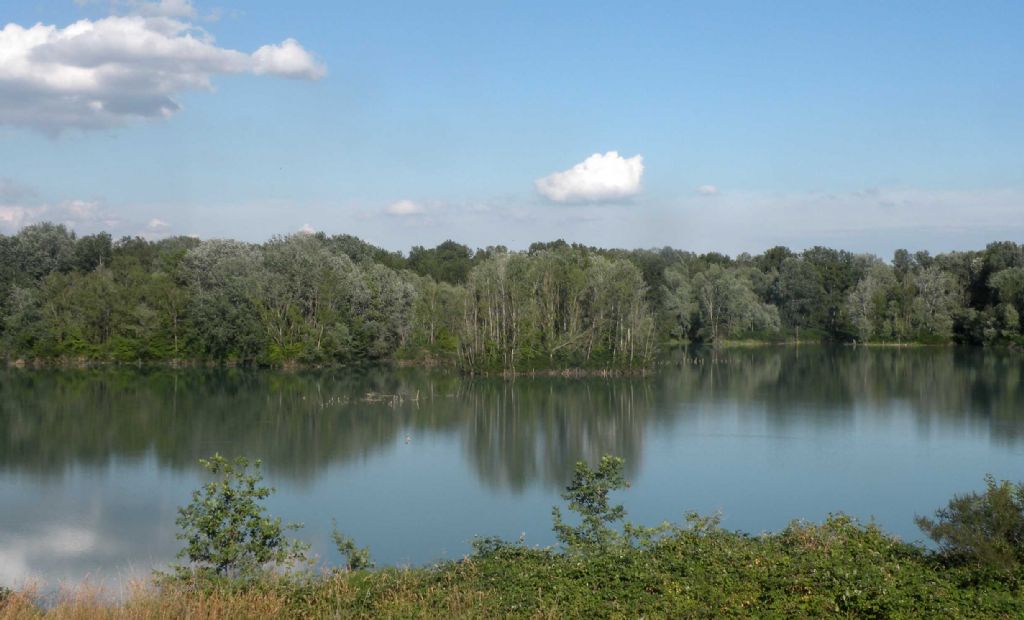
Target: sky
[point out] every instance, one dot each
(714, 126)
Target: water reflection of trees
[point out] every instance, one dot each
(513, 432)
(537, 429)
(942, 387)
(298, 423)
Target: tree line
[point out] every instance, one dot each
(320, 299)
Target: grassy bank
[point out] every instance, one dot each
(242, 566)
(835, 569)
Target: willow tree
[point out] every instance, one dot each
(436, 313)
(221, 277)
(555, 308)
(303, 295)
(621, 324)
(728, 306)
(870, 305)
(937, 298)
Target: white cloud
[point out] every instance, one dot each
(21, 206)
(287, 59)
(404, 208)
(14, 216)
(595, 179)
(707, 190)
(82, 209)
(103, 73)
(307, 230)
(157, 224)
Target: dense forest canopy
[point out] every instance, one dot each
(319, 299)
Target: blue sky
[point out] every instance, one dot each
(867, 126)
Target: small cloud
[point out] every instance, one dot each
(21, 205)
(81, 209)
(307, 230)
(157, 224)
(707, 190)
(14, 216)
(287, 59)
(597, 178)
(404, 208)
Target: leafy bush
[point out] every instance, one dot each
(484, 546)
(356, 558)
(225, 530)
(588, 496)
(984, 531)
(844, 567)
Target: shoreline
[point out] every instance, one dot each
(431, 362)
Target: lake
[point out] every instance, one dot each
(415, 462)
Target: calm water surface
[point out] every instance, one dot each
(93, 464)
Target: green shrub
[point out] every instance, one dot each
(356, 558)
(983, 531)
(485, 546)
(587, 495)
(225, 530)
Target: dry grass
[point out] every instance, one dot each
(145, 602)
(386, 593)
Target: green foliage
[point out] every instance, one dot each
(839, 568)
(41, 249)
(92, 251)
(225, 530)
(984, 531)
(319, 300)
(727, 304)
(490, 545)
(555, 308)
(836, 569)
(356, 558)
(449, 262)
(587, 495)
(362, 252)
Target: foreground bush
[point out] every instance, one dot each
(606, 567)
(226, 530)
(835, 569)
(983, 532)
